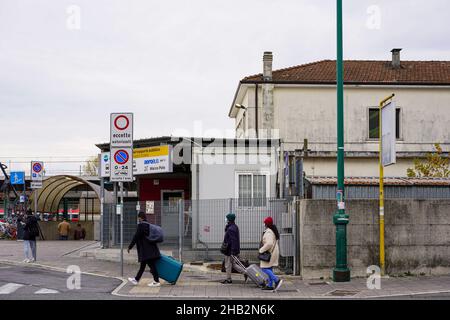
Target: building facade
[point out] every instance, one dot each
(300, 103)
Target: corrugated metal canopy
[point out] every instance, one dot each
(54, 188)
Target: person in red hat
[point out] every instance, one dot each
(269, 243)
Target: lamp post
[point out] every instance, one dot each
(341, 272)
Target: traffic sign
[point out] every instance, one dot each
(37, 171)
(105, 165)
(36, 184)
(121, 156)
(17, 177)
(121, 164)
(121, 130)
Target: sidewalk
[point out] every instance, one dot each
(198, 282)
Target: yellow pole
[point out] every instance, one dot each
(381, 213)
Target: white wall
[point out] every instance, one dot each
(310, 113)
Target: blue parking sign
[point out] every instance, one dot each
(17, 177)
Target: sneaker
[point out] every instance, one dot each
(226, 281)
(133, 281)
(31, 261)
(26, 260)
(245, 278)
(278, 284)
(154, 284)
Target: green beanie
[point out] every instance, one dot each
(231, 217)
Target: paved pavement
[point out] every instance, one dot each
(199, 282)
(30, 282)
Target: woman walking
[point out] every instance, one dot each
(148, 252)
(269, 243)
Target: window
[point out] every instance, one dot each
(374, 123)
(252, 189)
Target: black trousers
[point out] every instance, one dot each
(152, 266)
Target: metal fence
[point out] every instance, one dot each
(198, 226)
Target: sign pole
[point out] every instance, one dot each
(381, 212)
(121, 227)
(341, 273)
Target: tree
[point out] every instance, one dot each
(436, 165)
(90, 168)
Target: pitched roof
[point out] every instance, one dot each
(363, 72)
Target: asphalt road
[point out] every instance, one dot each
(29, 283)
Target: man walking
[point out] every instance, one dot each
(148, 251)
(64, 230)
(232, 243)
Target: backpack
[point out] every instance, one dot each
(34, 229)
(156, 233)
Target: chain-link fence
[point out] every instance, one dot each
(194, 229)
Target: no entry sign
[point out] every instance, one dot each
(121, 130)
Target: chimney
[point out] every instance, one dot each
(267, 61)
(396, 58)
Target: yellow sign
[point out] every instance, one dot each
(151, 152)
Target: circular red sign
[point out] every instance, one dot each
(121, 156)
(37, 167)
(116, 124)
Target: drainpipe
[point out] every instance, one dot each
(256, 109)
(197, 192)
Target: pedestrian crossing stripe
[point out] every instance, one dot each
(13, 287)
(10, 288)
(46, 291)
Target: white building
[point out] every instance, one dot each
(300, 102)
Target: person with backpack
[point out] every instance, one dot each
(147, 248)
(31, 231)
(269, 254)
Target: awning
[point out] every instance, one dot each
(54, 188)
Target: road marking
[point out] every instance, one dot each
(10, 288)
(46, 291)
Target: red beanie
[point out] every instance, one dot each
(268, 221)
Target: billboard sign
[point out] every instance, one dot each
(388, 139)
(150, 160)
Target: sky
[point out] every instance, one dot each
(66, 65)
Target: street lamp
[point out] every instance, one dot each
(341, 272)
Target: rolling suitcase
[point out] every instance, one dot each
(255, 273)
(169, 269)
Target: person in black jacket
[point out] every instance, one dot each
(148, 252)
(233, 247)
(31, 231)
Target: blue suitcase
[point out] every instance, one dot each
(169, 269)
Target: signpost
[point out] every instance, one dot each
(37, 175)
(121, 147)
(386, 135)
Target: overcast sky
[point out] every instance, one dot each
(174, 62)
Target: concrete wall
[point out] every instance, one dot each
(50, 229)
(417, 236)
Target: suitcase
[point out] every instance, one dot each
(169, 269)
(244, 262)
(255, 273)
